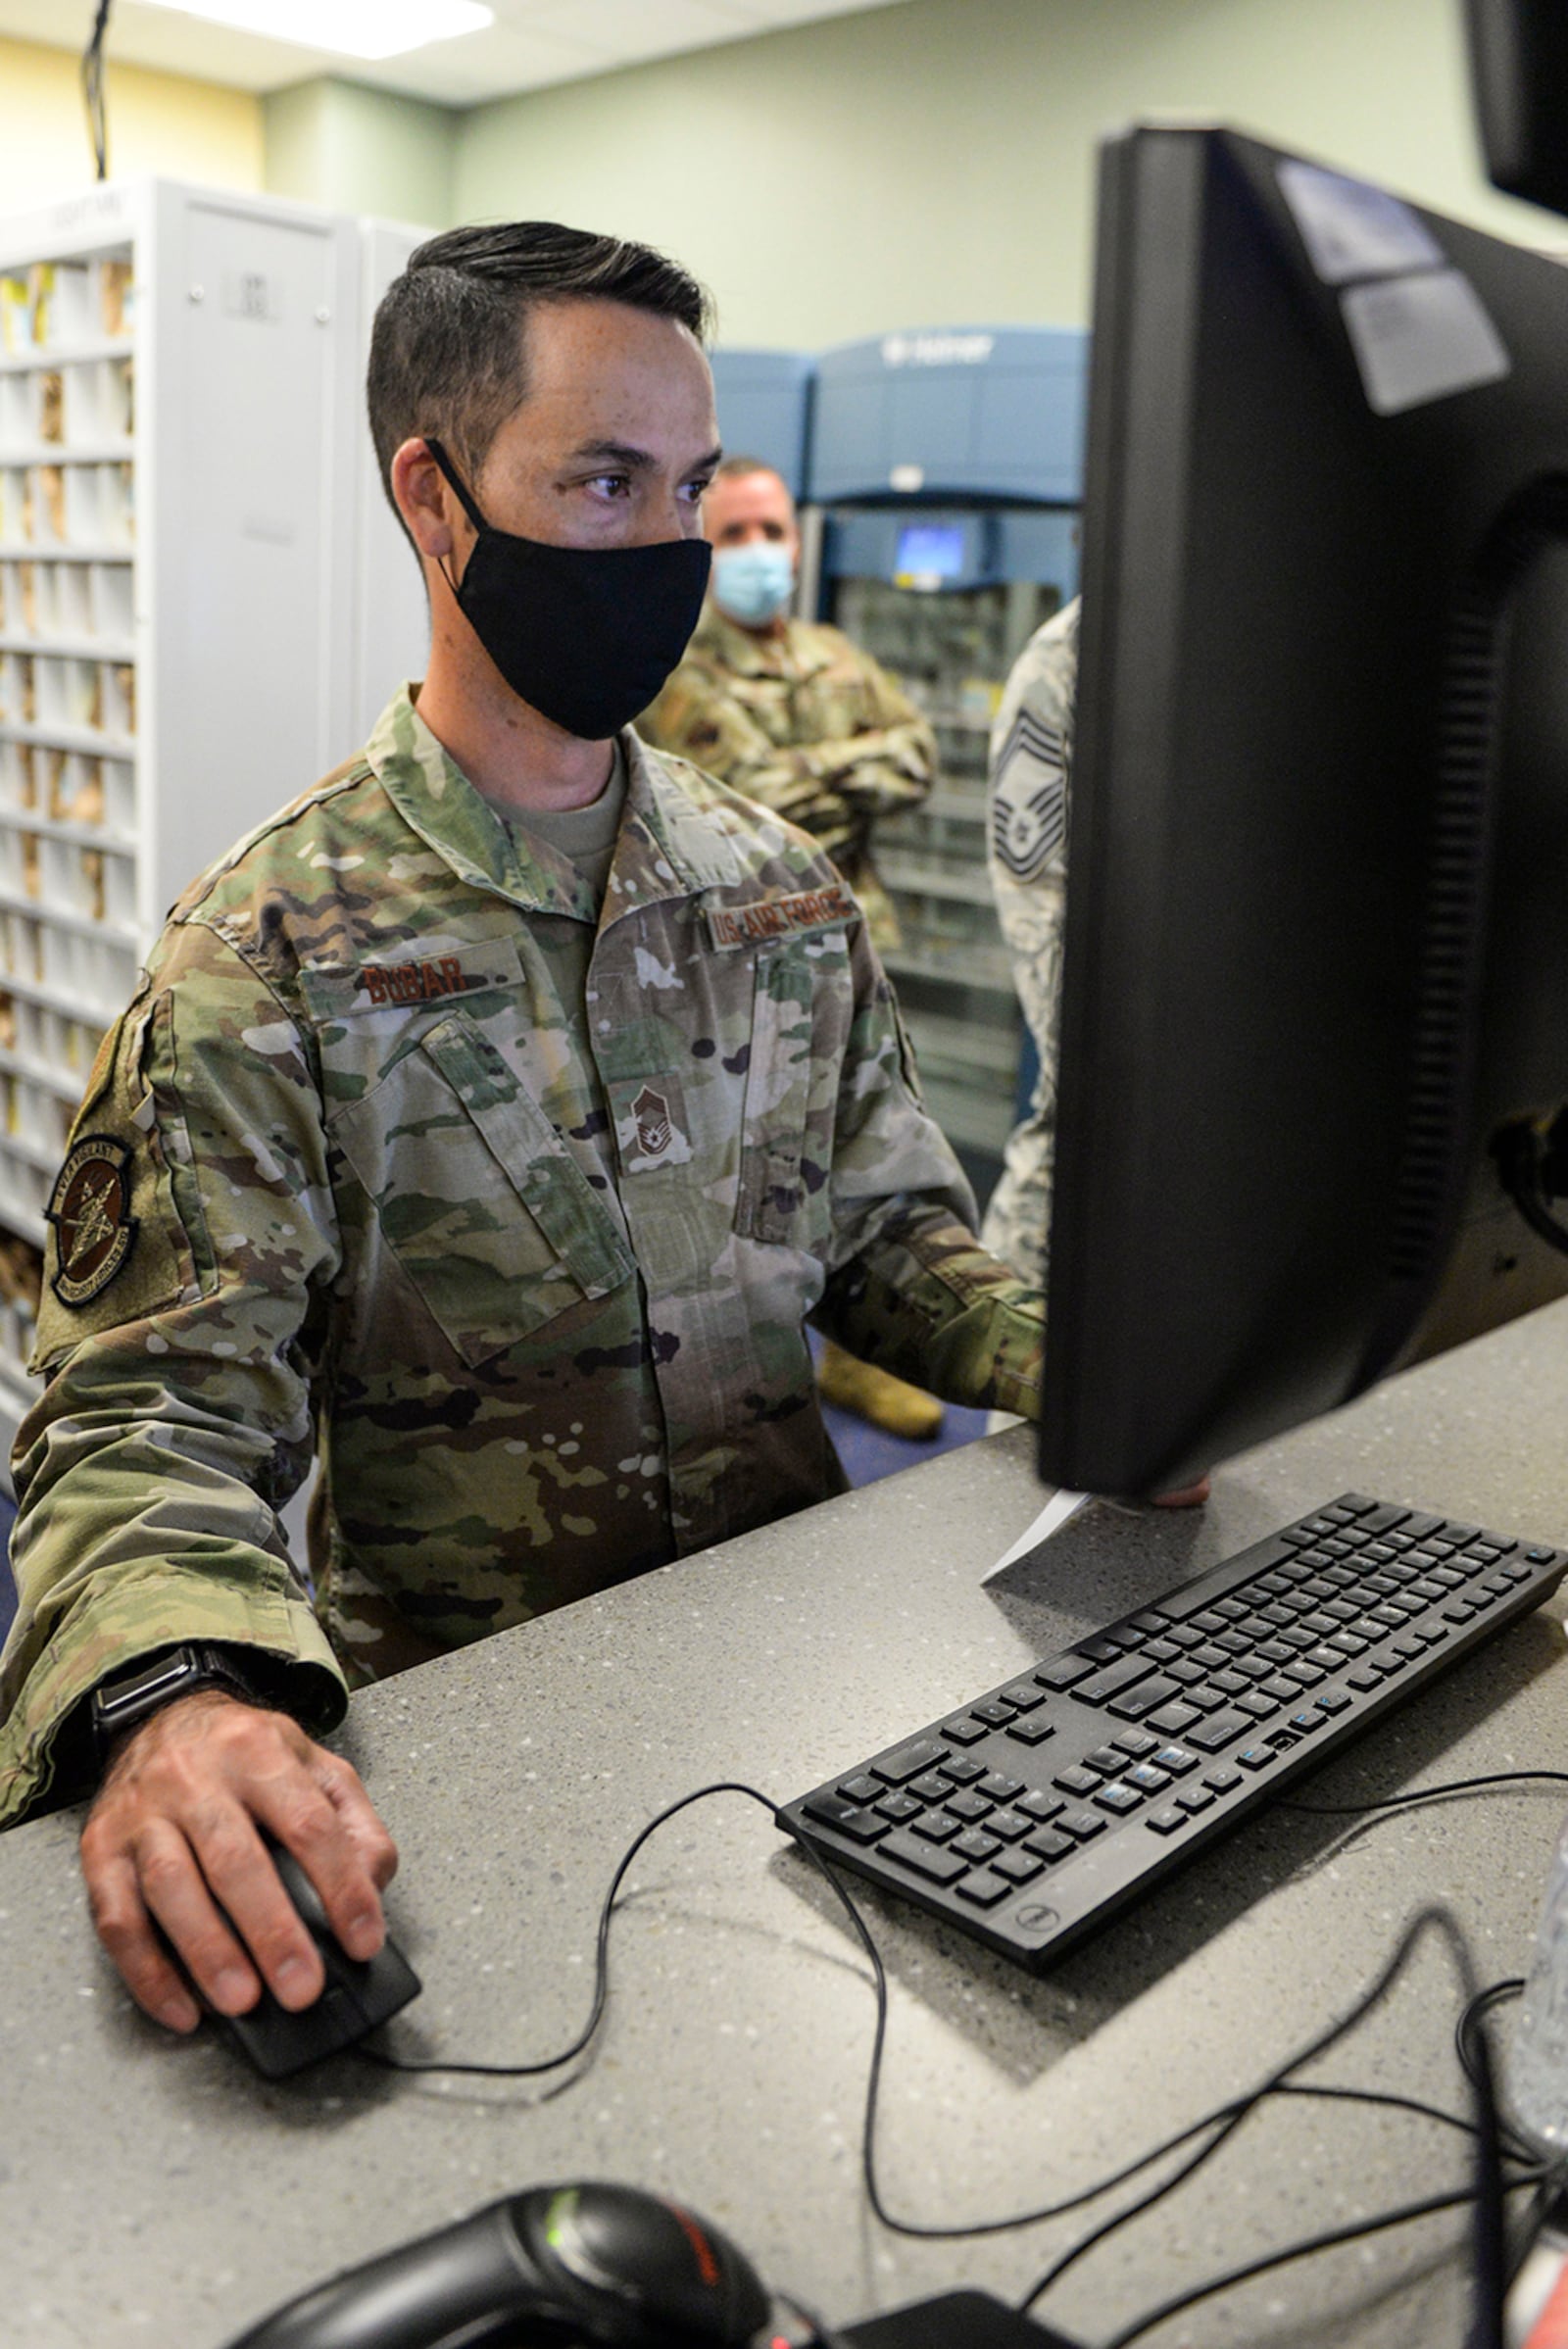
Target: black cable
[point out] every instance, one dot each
(92, 88)
(1438, 1793)
(1306, 2248)
(553, 2062)
(1486, 2192)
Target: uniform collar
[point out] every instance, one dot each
(666, 846)
(797, 653)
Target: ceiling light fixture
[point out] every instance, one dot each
(352, 27)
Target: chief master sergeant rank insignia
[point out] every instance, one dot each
(90, 1211)
(1029, 797)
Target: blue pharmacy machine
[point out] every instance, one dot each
(765, 409)
(946, 469)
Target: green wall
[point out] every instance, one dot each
(362, 150)
(932, 163)
(925, 164)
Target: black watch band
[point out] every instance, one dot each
(124, 1701)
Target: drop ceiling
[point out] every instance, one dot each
(531, 43)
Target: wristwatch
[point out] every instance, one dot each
(127, 1698)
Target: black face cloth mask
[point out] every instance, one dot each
(585, 635)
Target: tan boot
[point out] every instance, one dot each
(876, 1394)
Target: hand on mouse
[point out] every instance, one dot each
(176, 1829)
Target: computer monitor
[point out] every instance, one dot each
(1316, 949)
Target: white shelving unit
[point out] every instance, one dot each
(197, 610)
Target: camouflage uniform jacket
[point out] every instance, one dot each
(530, 1272)
(808, 724)
(1031, 764)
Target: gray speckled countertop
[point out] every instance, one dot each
(158, 2193)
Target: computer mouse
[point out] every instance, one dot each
(357, 1996)
(588, 2263)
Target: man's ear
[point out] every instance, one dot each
(425, 500)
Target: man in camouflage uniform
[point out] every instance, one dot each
(1026, 837)
(791, 711)
(794, 714)
(488, 1122)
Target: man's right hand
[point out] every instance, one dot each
(177, 1830)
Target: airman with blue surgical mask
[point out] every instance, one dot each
(792, 713)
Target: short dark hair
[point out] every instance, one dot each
(448, 352)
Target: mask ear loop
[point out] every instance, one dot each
(450, 470)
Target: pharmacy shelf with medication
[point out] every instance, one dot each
(189, 531)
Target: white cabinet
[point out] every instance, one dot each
(198, 611)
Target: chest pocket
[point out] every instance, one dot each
(477, 1194)
(799, 1028)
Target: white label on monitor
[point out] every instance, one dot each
(1353, 231)
(1421, 338)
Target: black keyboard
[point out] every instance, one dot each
(1030, 1815)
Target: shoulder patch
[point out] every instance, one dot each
(1029, 799)
(90, 1211)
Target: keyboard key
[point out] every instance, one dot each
(998, 1788)
(1050, 1843)
(1224, 1780)
(1304, 1675)
(1167, 1822)
(1033, 1731)
(995, 1710)
(1010, 1825)
(899, 1807)
(1148, 1619)
(1118, 1797)
(1023, 1696)
(908, 1761)
(1135, 1741)
(1108, 1760)
(968, 1805)
(975, 1845)
(1213, 1734)
(984, 1888)
(1306, 1722)
(1113, 1679)
(1207, 1700)
(1039, 1806)
(963, 1733)
(1365, 1678)
(1077, 1780)
(860, 1789)
(930, 1860)
(1194, 1799)
(962, 1769)
(846, 1818)
(1081, 1824)
(1106, 1646)
(1176, 1759)
(931, 1785)
(1331, 1700)
(1172, 1719)
(1137, 1702)
(1147, 1779)
(1064, 1671)
(1018, 1867)
(1261, 1709)
(937, 1827)
(1257, 1757)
